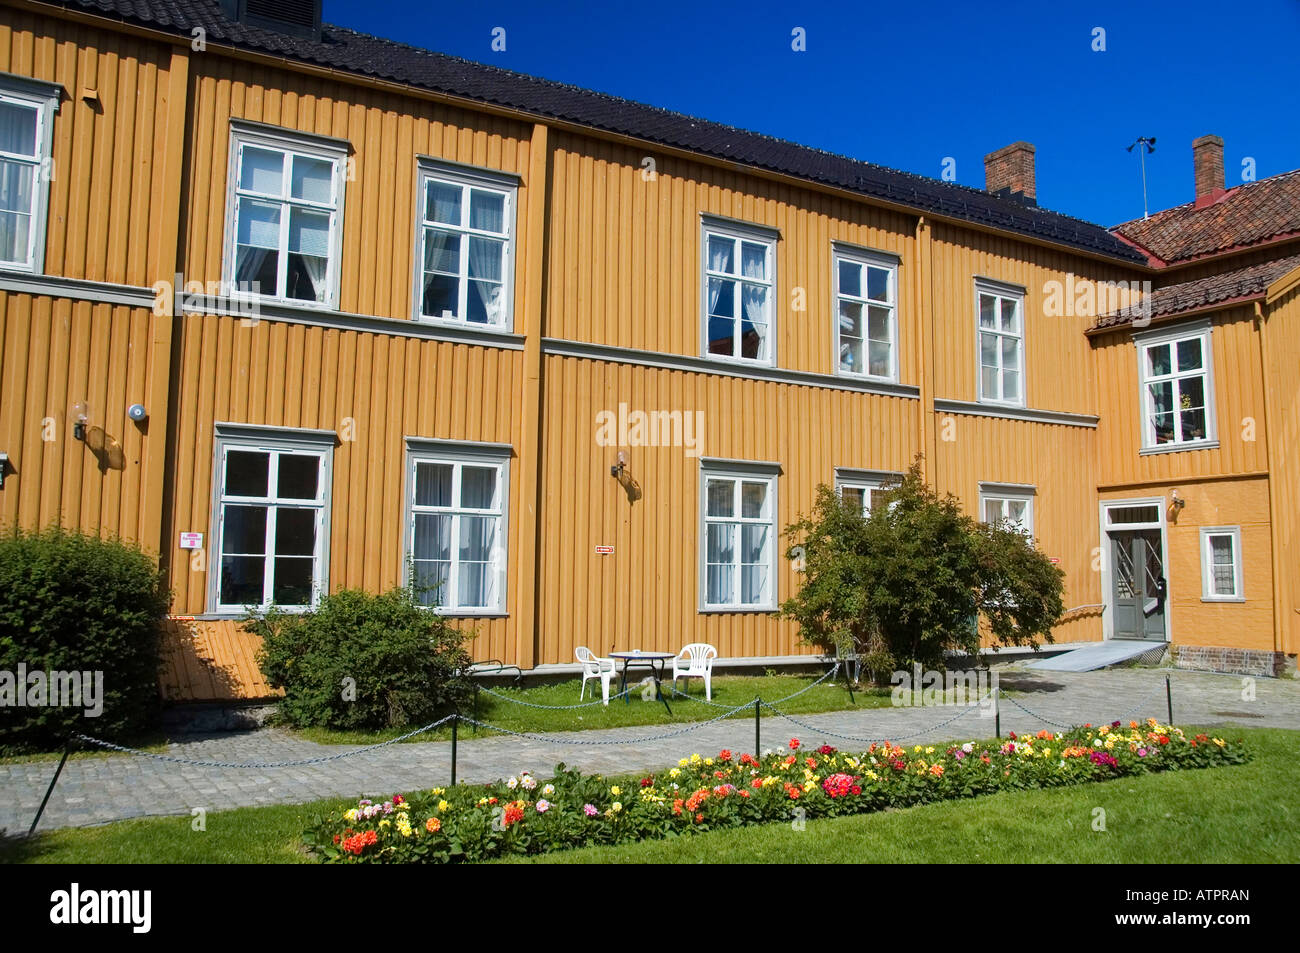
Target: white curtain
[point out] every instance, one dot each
(431, 555)
(485, 263)
(309, 240)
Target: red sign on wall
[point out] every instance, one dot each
(604, 550)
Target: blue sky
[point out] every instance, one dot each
(907, 85)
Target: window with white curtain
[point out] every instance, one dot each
(1012, 506)
(271, 531)
(285, 215)
(865, 489)
(27, 110)
(456, 536)
(738, 536)
(465, 243)
(1177, 388)
(739, 285)
(1221, 564)
(866, 325)
(1001, 333)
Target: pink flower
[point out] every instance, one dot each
(590, 810)
(543, 806)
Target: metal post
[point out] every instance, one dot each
(997, 712)
(1169, 699)
(67, 750)
(758, 750)
(476, 717)
(849, 685)
(455, 720)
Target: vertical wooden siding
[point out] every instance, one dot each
(386, 133)
(55, 352)
(1239, 405)
(378, 388)
(110, 188)
(1281, 356)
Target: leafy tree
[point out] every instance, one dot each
(907, 583)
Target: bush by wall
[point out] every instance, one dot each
(71, 603)
(363, 661)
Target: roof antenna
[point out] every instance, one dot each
(1149, 142)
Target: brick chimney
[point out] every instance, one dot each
(1207, 160)
(1010, 172)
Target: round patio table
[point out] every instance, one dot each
(654, 661)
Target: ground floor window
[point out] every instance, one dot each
(1010, 504)
(272, 517)
(456, 539)
(738, 533)
(1221, 564)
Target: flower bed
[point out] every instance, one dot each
(523, 815)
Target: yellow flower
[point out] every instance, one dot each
(917, 749)
(683, 763)
(695, 759)
(674, 773)
(1047, 752)
(439, 791)
(385, 823)
(616, 806)
(929, 750)
(442, 806)
(709, 762)
(809, 785)
(616, 791)
(1219, 741)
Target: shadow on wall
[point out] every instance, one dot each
(190, 670)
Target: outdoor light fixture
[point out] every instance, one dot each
(4, 468)
(80, 415)
(616, 471)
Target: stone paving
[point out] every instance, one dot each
(119, 786)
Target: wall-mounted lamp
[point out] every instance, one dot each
(80, 414)
(616, 471)
(1176, 504)
(619, 472)
(4, 468)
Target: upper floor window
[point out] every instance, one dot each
(1177, 387)
(1000, 326)
(465, 242)
(739, 286)
(271, 525)
(866, 321)
(1012, 506)
(456, 534)
(27, 110)
(285, 214)
(864, 489)
(739, 532)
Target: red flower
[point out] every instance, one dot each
(646, 782)
(433, 825)
(825, 749)
(724, 754)
(855, 789)
(397, 799)
(513, 814)
(794, 744)
(336, 838)
(811, 762)
(744, 794)
(1012, 735)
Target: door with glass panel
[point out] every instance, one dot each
(1138, 584)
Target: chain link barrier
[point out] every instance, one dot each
(693, 726)
(520, 701)
(966, 710)
(1057, 724)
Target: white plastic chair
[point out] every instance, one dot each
(593, 666)
(696, 661)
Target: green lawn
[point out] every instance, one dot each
(728, 690)
(1243, 814)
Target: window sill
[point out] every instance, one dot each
(469, 613)
(738, 361)
(868, 378)
(1219, 599)
(1179, 447)
(736, 610)
(505, 328)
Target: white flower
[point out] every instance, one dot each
(1096, 743)
(548, 790)
(512, 783)
(528, 782)
(967, 748)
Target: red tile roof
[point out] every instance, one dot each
(1245, 215)
(1241, 284)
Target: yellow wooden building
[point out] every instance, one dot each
(300, 309)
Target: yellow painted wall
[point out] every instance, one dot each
(1281, 355)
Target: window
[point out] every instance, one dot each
(866, 322)
(285, 214)
(466, 224)
(739, 284)
(272, 517)
(27, 110)
(1010, 504)
(1001, 343)
(1177, 388)
(456, 536)
(739, 534)
(864, 489)
(1221, 564)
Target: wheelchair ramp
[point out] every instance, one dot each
(1098, 655)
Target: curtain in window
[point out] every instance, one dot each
(17, 135)
(477, 576)
(309, 241)
(754, 305)
(719, 260)
(485, 274)
(431, 558)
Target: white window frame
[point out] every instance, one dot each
(1207, 565)
(459, 454)
(1001, 292)
(1202, 331)
(738, 472)
(738, 232)
(44, 98)
(466, 177)
(279, 442)
(867, 259)
(868, 481)
(288, 142)
(1010, 493)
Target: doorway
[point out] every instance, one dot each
(1138, 586)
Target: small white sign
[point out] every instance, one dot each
(191, 540)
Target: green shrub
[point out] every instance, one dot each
(905, 584)
(75, 603)
(363, 661)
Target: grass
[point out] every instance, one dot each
(728, 690)
(154, 740)
(1236, 814)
